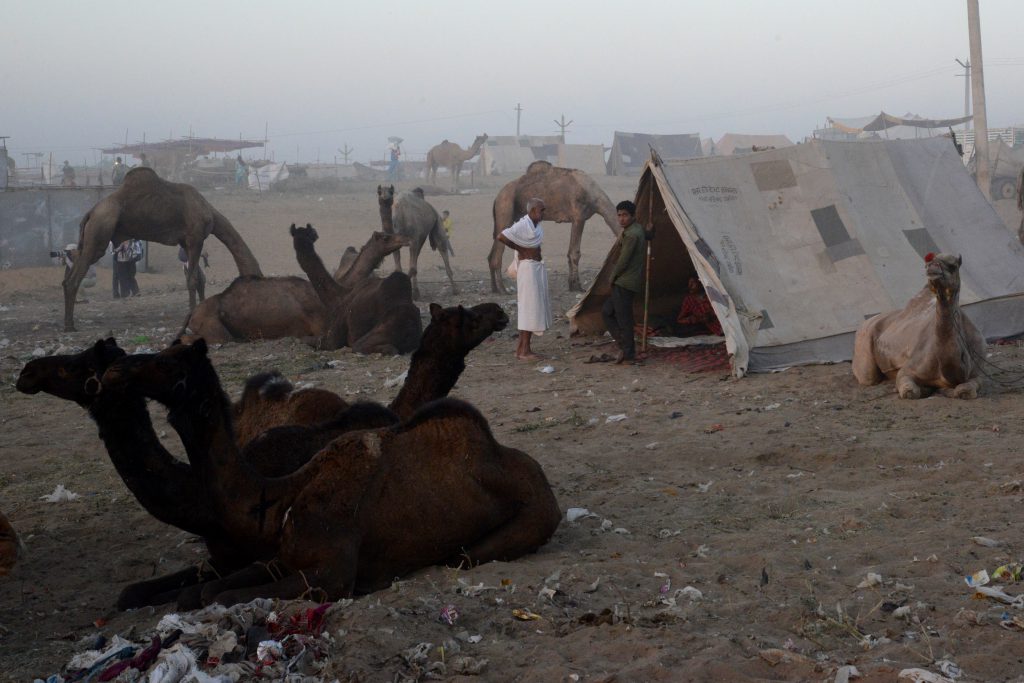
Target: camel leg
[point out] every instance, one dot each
(377, 340)
(494, 263)
(906, 386)
(865, 369)
(448, 268)
(414, 257)
(161, 589)
(87, 255)
(967, 390)
(194, 250)
(575, 240)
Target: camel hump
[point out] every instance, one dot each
(447, 409)
(539, 166)
(270, 386)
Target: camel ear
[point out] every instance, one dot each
(435, 311)
(379, 189)
(100, 345)
(176, 342)
(291, 230)
(959, 260)
(199, 346)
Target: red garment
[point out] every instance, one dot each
(697, 309)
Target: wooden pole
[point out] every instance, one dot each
(648, 238)
(978, 96)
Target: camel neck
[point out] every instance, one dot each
(947, 310)
(163, 485)
(430, 377)
(387, 223)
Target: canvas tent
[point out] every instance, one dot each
(510, 155)
(740, 143)
(796, 247)
(587, 158)
(630, 150)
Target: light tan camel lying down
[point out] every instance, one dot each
(930, 344)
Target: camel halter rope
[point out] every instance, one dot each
(981, 361)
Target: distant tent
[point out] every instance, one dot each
(631, 150)
(882, 125)
(265, 177)
(587, 158)
(510, 155)
(796, 247)
(739, 143)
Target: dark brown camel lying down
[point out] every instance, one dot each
(929, 344)
(254, 308)
(9, 546)
(161, 483)
(373, 505)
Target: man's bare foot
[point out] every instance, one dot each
(528, 356)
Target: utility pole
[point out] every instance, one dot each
(978, 95)
(345, 152)
(563, 124)
(519, 112)
(967, 89)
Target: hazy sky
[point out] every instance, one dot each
(77, 75)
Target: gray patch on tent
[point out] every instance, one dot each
(921, 241)
(709, 256)
(766, 321)
(716, 296)
(830, 225)
(773, 175)
(845, 250)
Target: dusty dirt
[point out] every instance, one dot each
(774, 495)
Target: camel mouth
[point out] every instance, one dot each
(27, 385)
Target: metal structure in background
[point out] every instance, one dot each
(36, 221)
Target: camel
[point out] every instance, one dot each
(269, 400)
(377, 316)
(275, 307)
(570, 196)
(929, 344)
(145, 207)
(373, 505)
(415, 218)
(451, 156)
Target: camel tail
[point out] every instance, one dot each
(229, 237)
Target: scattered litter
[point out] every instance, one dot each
(593, 587)
(547, 369)
(714, 428)
(921, 676)
(846, 673)
(872, 579)
(703, 551)
(622, 531)
(794, 475)
(978, 578)
(773, 406)
(449, 615)
(572, 514)
(468, 666)
(615, 418)
(950, 669)
(902, 612)
(704, 488)
(986, 542)
(606, 525)
(334, 363)
(475, 639)
(269, 651)
(394, 382)
(525, 615)
(59, 495)
(651, 446)
(775, 656)
(1010, 571)
(1000, 595)
(691, 593)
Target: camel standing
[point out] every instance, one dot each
(412, 216)
(929, 344)
(570, 196)
(451, 156)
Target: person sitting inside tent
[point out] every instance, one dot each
(696, 315)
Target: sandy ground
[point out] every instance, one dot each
(774, 496)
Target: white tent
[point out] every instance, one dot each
(264, 177)
(741, 143)
(587, 158)
(510, 155)
(796, 247)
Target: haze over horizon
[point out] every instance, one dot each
(318, 75)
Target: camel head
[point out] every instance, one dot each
(479, 142)
(386, 243)
(458, 330)
(75, 377)
(943, 272)
(178, 375)
(306, 234)
(386, 195)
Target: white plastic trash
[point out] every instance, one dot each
(59, 495)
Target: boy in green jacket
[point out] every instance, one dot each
(626, 282)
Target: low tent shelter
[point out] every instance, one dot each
(170, 158)
(587, 158)
(796, 247)
(630, 150)
(739, 143)
(504, 155)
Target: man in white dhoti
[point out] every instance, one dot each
(525, 237)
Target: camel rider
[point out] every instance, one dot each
(117, 172)
(627, 278)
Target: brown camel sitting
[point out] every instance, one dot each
(9, 546)
(268, 400)
(929, 344)
(413, 216)
(146, 207)
(373, 505)
(570, 196)
(277, 307)
(376, 316)
(451, 156)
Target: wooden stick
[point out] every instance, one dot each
(647, 266)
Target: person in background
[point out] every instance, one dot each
(446, 223)
(627, 281)
(533, 307)
(143, 161)
(67, 178)
(395, 153)
(241, 172)
(126, 255)
(117, 172)
(696, 315)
